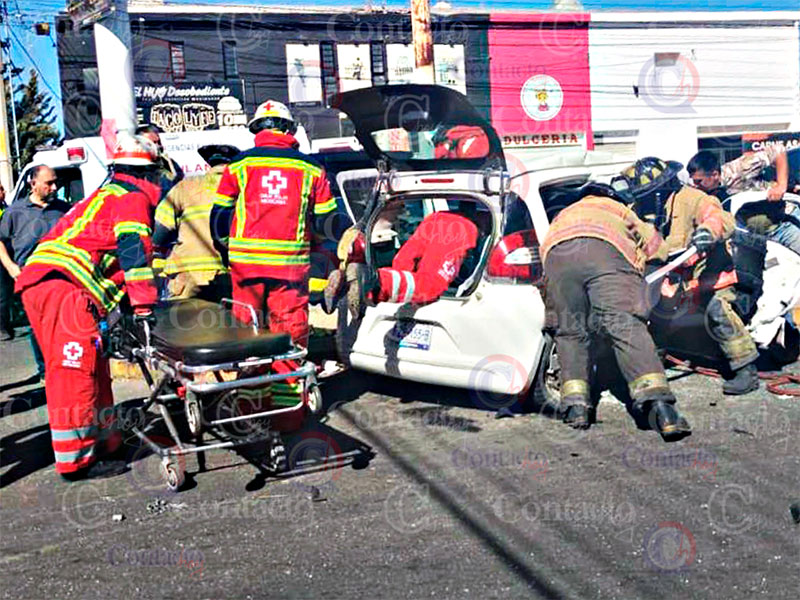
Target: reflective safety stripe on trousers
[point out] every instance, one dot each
(76, 447)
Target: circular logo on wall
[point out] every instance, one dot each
(542, 97)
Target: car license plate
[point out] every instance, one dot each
(413, 335)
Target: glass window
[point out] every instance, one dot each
(230, 63)
(177, 62)
(420, 141)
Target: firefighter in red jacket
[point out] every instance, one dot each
(65, 288)
(270, 200)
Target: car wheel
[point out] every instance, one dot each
(546, 392)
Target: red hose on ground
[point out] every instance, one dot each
(780, 384)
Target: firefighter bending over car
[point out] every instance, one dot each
(71, 280)
(689, 217)
(594, 257)
(182, 219)
(270, 200)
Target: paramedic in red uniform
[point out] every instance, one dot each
(421, 271)
(270, 200)
(428, 262)
(66, 286)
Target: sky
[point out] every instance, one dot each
(31, 51)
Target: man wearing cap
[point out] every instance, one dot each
(194, 266)
(686, 217)
(270, 201)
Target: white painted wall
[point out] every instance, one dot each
(730, 73)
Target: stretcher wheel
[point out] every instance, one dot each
(314, 399)
(194, 417)
(173, 473)
(276, 453)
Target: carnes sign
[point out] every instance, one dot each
(754, 142)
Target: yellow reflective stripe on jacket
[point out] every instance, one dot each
(94, 207)
(273, 161)
(68, 250)
(108, 297)
(325, 207)
(244, 244)
(204, 263)
(124, 227)
(275, 260)
(304, 194)
(239, 170)
(224, 201)
(196, 212)
(165, 214)
(139, 274)
(107, 260)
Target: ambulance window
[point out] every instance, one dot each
(69, 185)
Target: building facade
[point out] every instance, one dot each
(546, 80)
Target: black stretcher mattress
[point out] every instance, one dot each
(197, 332)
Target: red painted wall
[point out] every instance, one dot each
(539, 74)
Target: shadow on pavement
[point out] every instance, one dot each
(33, 379)
(28, 451)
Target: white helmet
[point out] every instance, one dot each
(134, 150)
(272, 115)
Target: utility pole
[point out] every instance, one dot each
(6, 172)
(11, 85)
(423, 41)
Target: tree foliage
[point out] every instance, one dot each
(35, 120)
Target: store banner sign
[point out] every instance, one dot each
(543, 140)
(190, 106)
(539, 74)
(304, 71)
(754, 142)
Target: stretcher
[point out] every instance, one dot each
(209, 373)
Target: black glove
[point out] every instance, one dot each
(703, 240)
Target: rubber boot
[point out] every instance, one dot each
(667, 421)
(744, 381)
(576, 413)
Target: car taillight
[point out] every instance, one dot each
(76, 154)
(515, 259)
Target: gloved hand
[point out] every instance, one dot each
(703, 240)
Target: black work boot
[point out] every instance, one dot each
(667, 421)
(362, 282)
(577, 415)
(333, 292)
(743, 381)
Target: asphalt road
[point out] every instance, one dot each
(434, 498)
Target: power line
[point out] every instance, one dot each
(35, 65)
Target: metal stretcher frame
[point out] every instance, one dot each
(149, 358)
